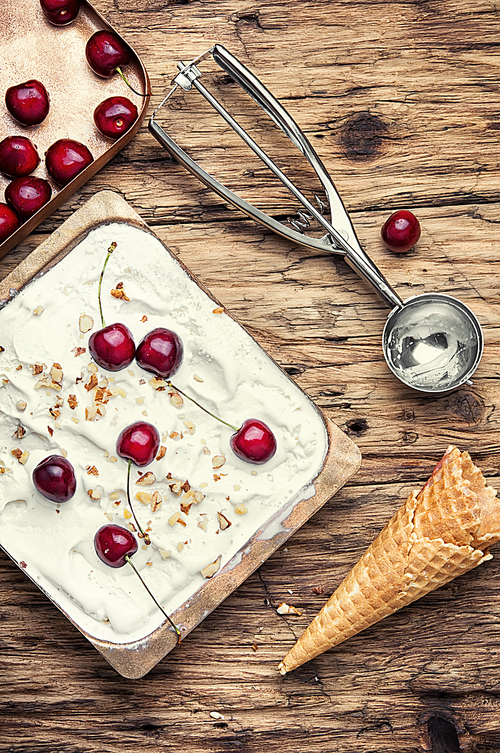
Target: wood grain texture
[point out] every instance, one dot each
(400, 99)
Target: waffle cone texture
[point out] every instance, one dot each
(439, 533)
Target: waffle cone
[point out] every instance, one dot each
(437, 534)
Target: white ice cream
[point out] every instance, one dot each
(223, 369)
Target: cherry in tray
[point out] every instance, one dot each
(65, 159)
(115, 116)
(107, 54)
(18, 156)
(28, 102)
(9, 221)
(60, 12)
(27, 195)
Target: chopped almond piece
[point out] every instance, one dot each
(92, 470)
(223, 521)
(72, 401)
(146, 480)
(288, 609)
(161, 452)
(218, 461)
(85, 323)
(210, 570)
(144, 497)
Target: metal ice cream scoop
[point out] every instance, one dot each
(431, 342)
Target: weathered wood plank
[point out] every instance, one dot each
(401, 102)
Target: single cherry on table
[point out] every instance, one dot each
(9, 221)
(115, 116)
(401, 231)
(65, 159)
(18, 156)
(54, 478)
(27, 195)
(28, 102)
(60, 12)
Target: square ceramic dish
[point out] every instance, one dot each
(32, 48)
(212, 517)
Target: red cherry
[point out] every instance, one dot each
(18, 156)
(27, 195)
(139, 443)
(112, 347)
(9, 221)
(60, 12)
(114, 116)
(253, 442)
(54, 477)
(160, 352)
(106, 52)
(113, 543)
(65, 159)
(401, 231)
(28, 103)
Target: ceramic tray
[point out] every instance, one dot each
(342, 460)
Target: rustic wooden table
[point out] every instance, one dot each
(401, 102)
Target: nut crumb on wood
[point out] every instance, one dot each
(288, 609)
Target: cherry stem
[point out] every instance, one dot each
(110, 251)
(120, 73)
(202, 408)
(127, 558)
(147, 540)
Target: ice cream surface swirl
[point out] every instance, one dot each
(55, 400)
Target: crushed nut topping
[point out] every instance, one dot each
(223, 521)
(144, 497)
(38, 310)
(156, 501)
(92, 470)
(94, 494)
(218, 310)
(175, 399)
(185, 508)
(56, 372)
(19, 432)
(21, 405)
(161, 452)
(119, 293)
(146, 480)
(37, 368)
(72, 401)
(206, 451)
(79, 351)
(218, 461)
(158, 384)
(85, 323)
(241, 509)
(211, 569)
(91, 383)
